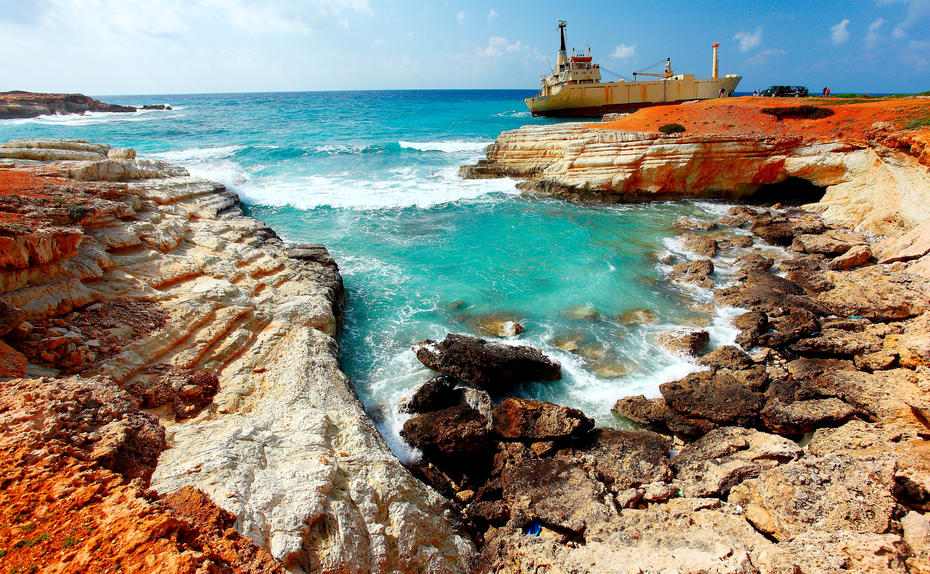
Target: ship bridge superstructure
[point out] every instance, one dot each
(574, 69)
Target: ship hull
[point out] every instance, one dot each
(590, 100)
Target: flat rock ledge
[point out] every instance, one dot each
(140, 280)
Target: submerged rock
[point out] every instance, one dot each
(638, 316)
(486, 365)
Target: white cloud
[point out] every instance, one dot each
(898, 33)
(749, 41)
(624, 52)
(840, 33)
(492, 15)
(872, 36)
(497, 46)
(763, 57)
(460, 16)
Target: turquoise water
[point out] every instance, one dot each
(423, 253)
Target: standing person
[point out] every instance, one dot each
(823, 92)
(828, 91)
(720, 93)
(755, 93)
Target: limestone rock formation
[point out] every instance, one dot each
(18, 104)
(129, 264)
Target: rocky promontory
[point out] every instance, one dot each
(864, 165)
(19, 104)
(172, 399)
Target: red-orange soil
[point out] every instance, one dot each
(743, 117)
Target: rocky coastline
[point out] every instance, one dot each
(173, 399)
(19, 104)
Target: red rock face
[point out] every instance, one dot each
(75, 457)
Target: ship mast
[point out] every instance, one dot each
(561, 62)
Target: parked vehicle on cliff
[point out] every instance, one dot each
(785, 92)
(574, 87)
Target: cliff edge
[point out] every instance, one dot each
(870, 157)
(19, 104)
(215, 341)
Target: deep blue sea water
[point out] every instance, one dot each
(372, 175)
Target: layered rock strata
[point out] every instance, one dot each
(875, 176)
(152, 281)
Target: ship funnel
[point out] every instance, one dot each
(716, 63)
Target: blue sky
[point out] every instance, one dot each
(194, 46)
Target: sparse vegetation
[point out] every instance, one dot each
(918, 122)
(672, 128)
(78, 212)
(68, 542)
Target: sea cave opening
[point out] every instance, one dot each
(792, 191)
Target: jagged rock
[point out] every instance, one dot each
(700, 244)
(768, 294)
(12, 362)
(821, 243)
(840, 551)
(697, 272)
(916, 528)
(682, 535)
(838, 342)
(892, 396)
(875, 294)
(30, 105)
(558, 494)
(622, 459)
(436, 393)
(486, 365)
(796, 323)
(685, 343)
(717, 397)
(725, 457)
(854, 436)
(726, 357)
(911, 245)
(753, 262)
(782, 230)
(839, 492)
(656, 415)
(695, 224)
(751, 324)
(913, 344)
(187, 390)
(877, 361)
(857, 256)
(497, 325)
(798, 417)
(532, 421)
(453, 436)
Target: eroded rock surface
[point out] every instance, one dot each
(284, 445)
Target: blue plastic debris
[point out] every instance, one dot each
(533, 528)
(854, 317)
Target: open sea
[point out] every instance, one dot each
(373, 176)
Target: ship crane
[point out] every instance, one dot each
(668, 70)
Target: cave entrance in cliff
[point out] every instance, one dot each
(792, 191)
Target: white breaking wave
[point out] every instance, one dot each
(452, 146)
(91, 118)
(198, 154)
(404, 187)
(213, 163)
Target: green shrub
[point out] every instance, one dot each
(672, 128)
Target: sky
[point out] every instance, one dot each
(110, 47)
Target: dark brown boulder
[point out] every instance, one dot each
(781, 229)
(697, 272)
(750, 262)
(700, 244)
(486, 365)
(556, 493)
(449, 436)
(534, 421)
(622, 459)
(799, 417)
(727, 357)
(654, 414)
(790, 327)
(751, 324)
(839, 343)
(436, 393)
(685, 343)
(767, 293)
(717, 397)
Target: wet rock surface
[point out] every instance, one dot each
(486, 365)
